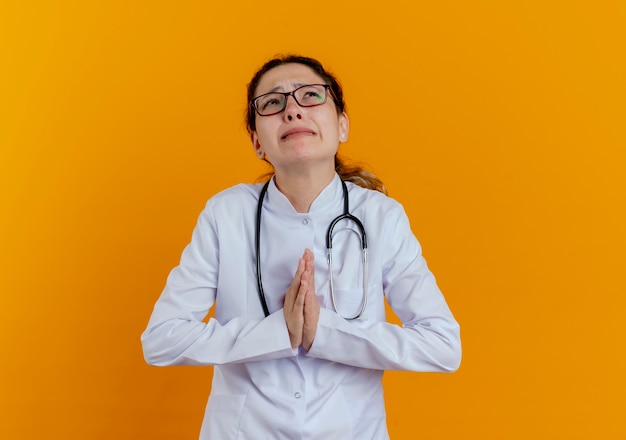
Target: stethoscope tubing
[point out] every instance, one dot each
(329, 246)
(257, 246)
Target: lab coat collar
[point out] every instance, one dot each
(327, 198)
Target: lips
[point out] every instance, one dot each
(297, 132)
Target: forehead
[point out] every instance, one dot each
(287, 77)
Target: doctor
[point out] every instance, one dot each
(299, 346)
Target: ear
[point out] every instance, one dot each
(256, 145)
(344, 127)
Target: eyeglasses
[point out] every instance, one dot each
(272, 103)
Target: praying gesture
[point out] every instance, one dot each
(301, 308)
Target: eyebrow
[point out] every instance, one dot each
(277, 88)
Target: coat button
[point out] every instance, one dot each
(297, 395)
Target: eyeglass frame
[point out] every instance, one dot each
(327, 90)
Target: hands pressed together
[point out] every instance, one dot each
(301, 308)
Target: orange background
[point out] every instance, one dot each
(501, 127)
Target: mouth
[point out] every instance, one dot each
(296, 132)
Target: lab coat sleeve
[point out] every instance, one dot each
(176, 333)
(428, 339)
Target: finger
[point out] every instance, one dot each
(292, 291)
(308, 256)
(301, 268)
(304, 288)
(311, 308)
(311, 318)
(294, 305)
(310, 301)
(309, 259)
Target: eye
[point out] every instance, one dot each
(311, 95)
(270, 103)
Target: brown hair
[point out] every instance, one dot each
(351, 172)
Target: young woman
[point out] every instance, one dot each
(299, 339)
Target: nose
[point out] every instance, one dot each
(292, 109)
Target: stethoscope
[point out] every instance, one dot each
(329, 248)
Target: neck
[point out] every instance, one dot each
(301, 189)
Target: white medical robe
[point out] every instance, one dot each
(264, 389)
